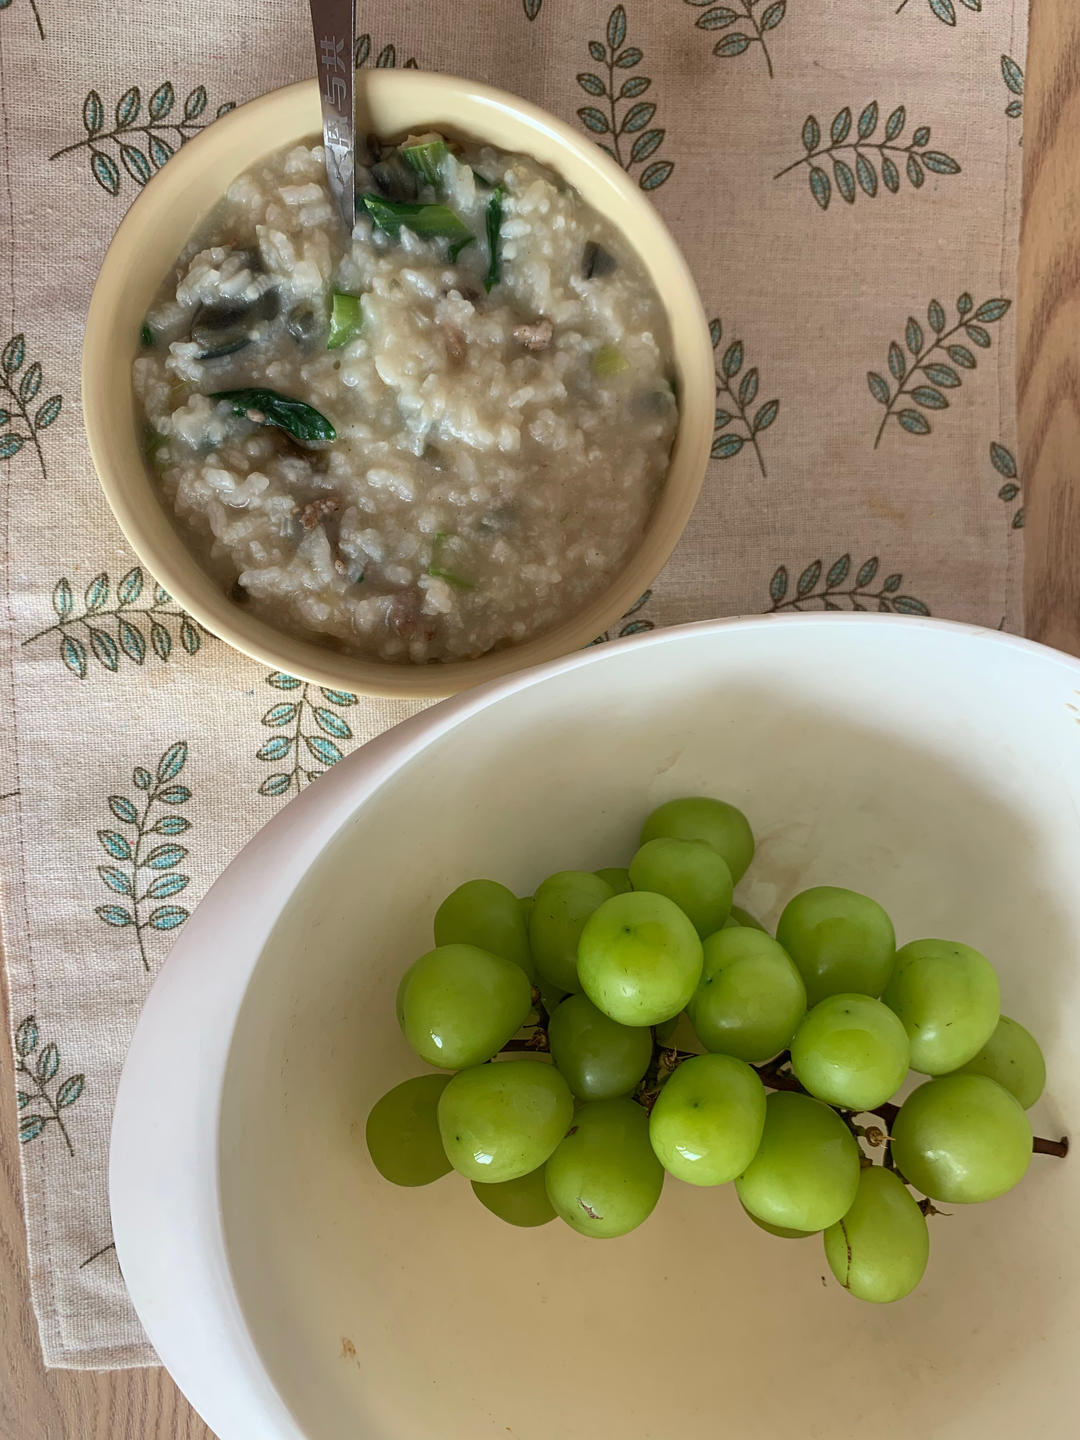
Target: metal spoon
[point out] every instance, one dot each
(334, 25)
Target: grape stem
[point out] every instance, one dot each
(772, 1075)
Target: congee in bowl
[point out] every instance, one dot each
(440, 437)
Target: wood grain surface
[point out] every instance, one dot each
(36, 1404)
(1048, 366)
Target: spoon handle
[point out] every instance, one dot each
(334, 25)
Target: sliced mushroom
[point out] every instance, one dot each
(536, 336)
(395, 179)
(596, 262)
(303, 324)
(225, 327)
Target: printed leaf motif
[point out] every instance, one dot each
(721, 17)
(26, 1038)
(93, 113)
(735, 411)
(164, 885)
(858, 139)
(929, 357)
(127, 108)
(307, 726)
(838, 591)
(159, 131)
(17, 392)
(161, 101)
(606, 120)
(1004, 462)
(147, 872)
(70, 1091)
(628, 626)
(36, 1086)
(126, 614)
(1013, 76)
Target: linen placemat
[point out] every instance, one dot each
(844, 178)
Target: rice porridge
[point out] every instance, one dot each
(442, 438)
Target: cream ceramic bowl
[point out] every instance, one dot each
(177, 200)
(295, 1295)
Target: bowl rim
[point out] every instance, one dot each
(164, 1152)
(132, 497)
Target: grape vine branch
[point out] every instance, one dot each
(773, 1075)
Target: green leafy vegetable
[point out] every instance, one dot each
(458, 581)
(146, 336)
(494, 224)
(346, 320)
(426, 160)
(424, 220)
(267, 407)
(459, 245)
(609, 360)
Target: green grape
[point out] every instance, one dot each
(562, 904)
(780, 1231)
(706, 1124)
(523, 1201)
(488, 915)
(639, 959)
(743, 917)
(403, 1134)
(498, 1122)
(948, 998)
(851, 1051)
(750, 998)
(458, 1005)
(604, 1179)
(691, 873)
(806, 1170)
(879, 1250)
(962, 1139)
(716, 822)
(598, 1057)
(617, 878)
(1011, 1057)
(842, 942)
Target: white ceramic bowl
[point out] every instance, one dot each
(292, 1293)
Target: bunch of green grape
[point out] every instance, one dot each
(644, 1026)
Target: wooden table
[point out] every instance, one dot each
(36, 1404)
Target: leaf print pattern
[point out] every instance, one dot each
(1013, 76)
(728, 441)
(1004, 462)
(945, 10)
(6, 4)
(532, 8)
(22, 416)
(722, 17)
(629, 142)
(307, 733)
(159, 128)
(837, 589)
(385, 60)
(627, 624)
(84, 637)
(37, 1066)
(929, 354)
(847, 134)
(145, 854)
